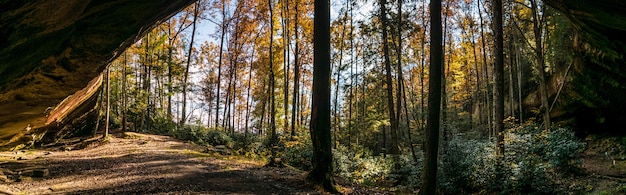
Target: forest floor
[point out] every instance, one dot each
(604, 166)
(133, 163)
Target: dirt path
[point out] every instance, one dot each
(142, 164)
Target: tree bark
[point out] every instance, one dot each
(388, 80)
(498, 77)
(321, 174)
(486, 93)
(219, 65)
(429, 184)
(296, 79)
(124, 108)
(108, 108)
(543, 89)
(273, 138)
(183, 116)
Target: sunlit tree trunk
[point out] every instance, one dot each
(352, 83)
(272, 89)
(108, 99)
(219, 64)
(296, 79)
(123, 93)
(183, 116)
(486, 94)
(285, 16)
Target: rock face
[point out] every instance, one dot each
(595, 96)
(51, 49)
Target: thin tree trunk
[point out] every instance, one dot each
(296, 79)
(337, 86)
(263, 108)
(219, 65)
(183, 116)
(352, 83)
(285, 15)
(249, 87)
(479, 105)
(123, 94)
(511, 70)
(399, 74)
(388, 80)
(486, 72)
(543, 89)
(519, 86)
(273, 138)
(423, 63)
(108, 99)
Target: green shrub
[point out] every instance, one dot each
(299, 153)
(360, 166)
(468, 166)
(534, 159)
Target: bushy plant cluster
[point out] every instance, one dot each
(357, 164)
(239, 142)
(534, 160)
(467, 165)
(299, 153)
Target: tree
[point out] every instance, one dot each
(429, 184)
(183, 116)
(296, 72)
(388, 80)
(498, 76)
(224, 26)
(272, 89)
(108, 108)
(321, 174)
(538, 26)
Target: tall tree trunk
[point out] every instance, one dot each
(486, 93)
(286, 35)
(388, 80)
(541, 64)
(479, 105)
(337, 86)
(321, 174)
(429, 184)
(296, 79)
(219, 65)
(249, 87)
(422, 72)
(108, 99)
(124, 108)
(263, 108)
(183, 117)
(273, 138)
(511, 70)
(498, 76)
(519, 86)
(399, 74)
(352, 83)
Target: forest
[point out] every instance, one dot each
(475, 100)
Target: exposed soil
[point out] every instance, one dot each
(132, 163)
